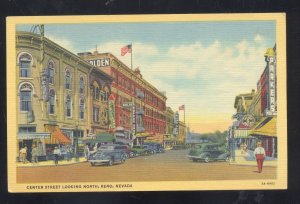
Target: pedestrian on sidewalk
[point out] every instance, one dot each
(34, 154)
(23, 154)
(56, 153)
(87, 152)
(259, 153)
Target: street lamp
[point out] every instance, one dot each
(76, 141)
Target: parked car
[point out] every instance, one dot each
(209, 152)
(178, 147)
(108, 155)
(126, 149)
(158, 148)
(142, 150)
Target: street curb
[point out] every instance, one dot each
(239, 164)
(49, 165)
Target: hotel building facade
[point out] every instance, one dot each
(139, 106)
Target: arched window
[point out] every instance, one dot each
(24, 65)
(51, 68)
(68, 79)
(51, 101)
(81, 85)
(68, 106)
(81, 108)
(25, 97)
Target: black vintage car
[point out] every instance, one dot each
(108, 156)
(209, 152)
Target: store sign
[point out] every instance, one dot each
(133, 120)
(45, 85)
(272, 89)
(127, 104)
(100, 62)
(176, 124)
(33, 135)
(111, 114)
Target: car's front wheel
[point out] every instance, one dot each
(194, 160)
(207, 159)
(110, 162)
(92, 163)
(227, 158)
(131, 154)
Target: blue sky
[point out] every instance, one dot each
(203, 65)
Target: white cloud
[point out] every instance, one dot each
(216, 73)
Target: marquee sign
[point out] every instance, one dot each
(272, 87)
(133, 120)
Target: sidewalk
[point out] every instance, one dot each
(51, 163)
(248, 159)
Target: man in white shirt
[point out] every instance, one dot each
(56, 153)
(260, 156)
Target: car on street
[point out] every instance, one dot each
(108, 155)
(142, 150)
(178, 147)
(158, 148)
(209, 152)
(126, 149)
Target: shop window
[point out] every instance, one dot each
(51, 101)
(81, 108)
(25, 97)
(27, 129)
(24, 65)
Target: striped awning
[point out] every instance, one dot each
(59, 138)
(241, 133)
(266, 127)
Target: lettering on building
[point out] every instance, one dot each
(100, 62)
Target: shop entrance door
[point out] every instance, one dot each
(28, 143)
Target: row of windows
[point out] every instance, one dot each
(126, 84)
(26, 101)
(100, 95)
(154, 127)
(25, 61)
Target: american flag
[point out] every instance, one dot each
(181, 107)
(126, 49)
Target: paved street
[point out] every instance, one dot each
(169, 166)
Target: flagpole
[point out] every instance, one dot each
(131, 56)
(184, 114)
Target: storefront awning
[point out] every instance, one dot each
(101, 138)
(143, 134)
(266, 127)
(59, 138)
(241, 133)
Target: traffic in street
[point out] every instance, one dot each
(171, 165)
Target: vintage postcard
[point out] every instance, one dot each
(146, 102)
